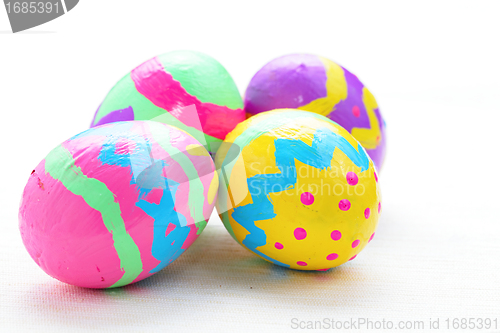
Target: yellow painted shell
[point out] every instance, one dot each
(297, 190)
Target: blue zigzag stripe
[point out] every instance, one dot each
(319, 155)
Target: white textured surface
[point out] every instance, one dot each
(434, 69)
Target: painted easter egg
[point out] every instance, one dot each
(117, 203)
(186, 89)
(297, 190)
(316, 84)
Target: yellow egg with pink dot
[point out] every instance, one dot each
(297, 190)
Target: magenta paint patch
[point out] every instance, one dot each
(336, 235)
(299, 233)
(356, 111)
(332, 256)
(352, 178)
(344, 204)
(170, 228)
(307, 198)
(371, 237)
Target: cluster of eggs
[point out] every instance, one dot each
(295, 183)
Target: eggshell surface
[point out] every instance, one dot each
(186, 89)
(297, 190)
(316, 84)
(117, 203)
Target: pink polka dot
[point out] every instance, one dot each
(279, 246)
(367, 213)
(371, 237)
(332, 256)
(376, 177)
(344, 204)
(307, 198)
(355, 111)
(352, 178)
(301, 263)
(379, 207)
(336, 235)
(300, 233)
(355, 243)
(323, 269)
(353, 257)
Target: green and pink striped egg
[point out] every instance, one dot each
(186, 89)
(117, 203)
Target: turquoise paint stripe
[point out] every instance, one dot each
(319, 156)
(251, 133)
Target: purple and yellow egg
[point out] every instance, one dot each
(297, 189)
(316, 84)
(186, 89)
(117, 203)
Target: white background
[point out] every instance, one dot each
(434, 68)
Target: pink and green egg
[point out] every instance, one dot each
(316, 84)
(117, 203)
(186, 89)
